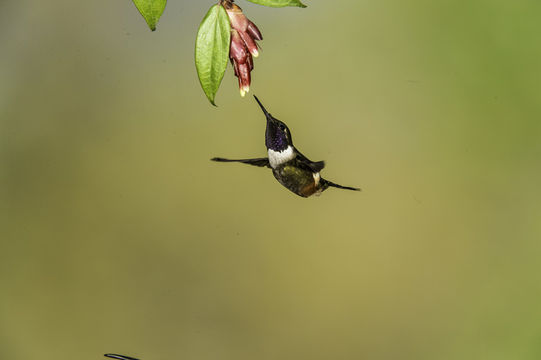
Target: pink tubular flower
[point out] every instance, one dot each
(244, 35)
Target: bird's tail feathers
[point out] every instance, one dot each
(331, 184)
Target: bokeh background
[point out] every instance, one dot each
(119, 235)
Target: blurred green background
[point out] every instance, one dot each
(119, 235)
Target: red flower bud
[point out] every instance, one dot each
(244, 35)
(254, 31)
(241, 60)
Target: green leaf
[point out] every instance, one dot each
(279, 3)
(212, 50)
(151, 10)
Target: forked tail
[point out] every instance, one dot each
(330, 183)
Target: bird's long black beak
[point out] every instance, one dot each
(119, 357)
(267, 114)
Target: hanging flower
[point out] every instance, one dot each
(244, 35)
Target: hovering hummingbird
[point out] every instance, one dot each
(291, 168)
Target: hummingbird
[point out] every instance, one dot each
(289, 166)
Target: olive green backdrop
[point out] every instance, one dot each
(119, 235)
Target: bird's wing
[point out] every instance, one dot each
(315, 166)
(261, 162)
